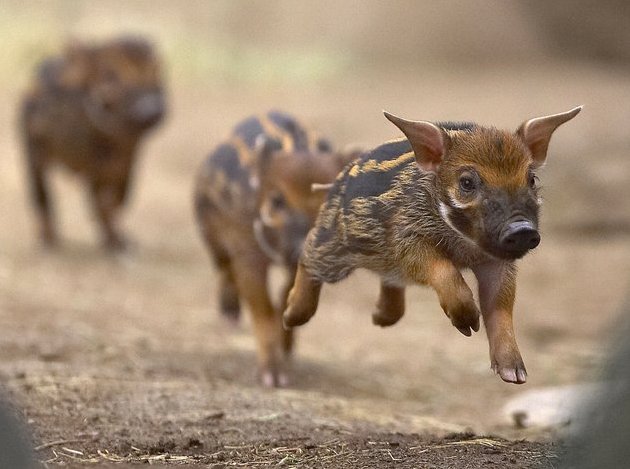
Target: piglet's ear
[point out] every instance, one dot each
(78, 66)
(537, 132)
(264, 153)
(428, 141)
(266, 150)
(263, 147)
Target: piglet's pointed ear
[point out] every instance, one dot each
(428, 141)
(78, 66)
(537, 132)
(263, 146)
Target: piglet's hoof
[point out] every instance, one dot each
(465, 318)
(231, 318)
(511, 374)
(269, 379)
(385, 320)
(295, 316)
(230, 311)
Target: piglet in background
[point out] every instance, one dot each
(254, 202)
(87, 110)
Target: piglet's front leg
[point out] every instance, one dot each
(302, 300)
(455, 296)
(497, 290)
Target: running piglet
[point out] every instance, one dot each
(418, 210)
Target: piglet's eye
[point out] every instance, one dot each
(533, 180)
(277, 201)
(467, 183)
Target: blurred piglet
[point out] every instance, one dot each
(256, 197)
(87, 109)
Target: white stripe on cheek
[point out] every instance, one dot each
(265, 218)
(444, 213)
(457, 204)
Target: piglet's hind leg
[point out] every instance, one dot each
(390, 307)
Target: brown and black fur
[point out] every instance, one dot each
(255, 205)
(417, 210)
(87, 109)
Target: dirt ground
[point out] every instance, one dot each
(124, 360)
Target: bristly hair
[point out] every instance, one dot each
(449, 125)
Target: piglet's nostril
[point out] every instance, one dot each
(534, 240)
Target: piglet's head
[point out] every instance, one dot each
(485, 178)
(121, 82)
(287, 204)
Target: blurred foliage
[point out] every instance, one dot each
(286, 41)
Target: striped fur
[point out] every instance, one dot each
(88, 109)
(254, 206)
(226, 179)
(418, 210)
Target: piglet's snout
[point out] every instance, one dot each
(519, 236)
(148, 108)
